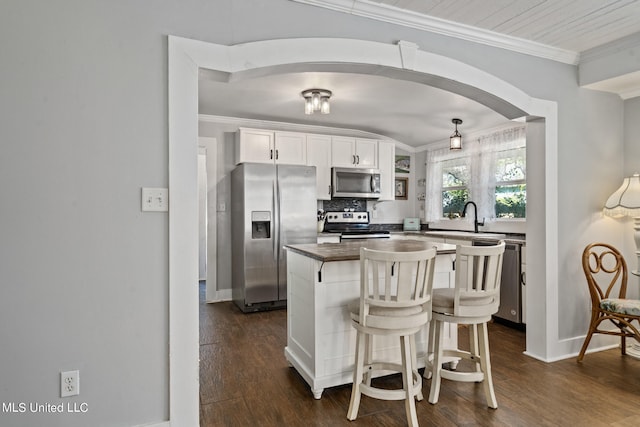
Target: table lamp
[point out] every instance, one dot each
(625, 201)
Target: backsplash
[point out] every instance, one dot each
(358, 205)
(339, 205)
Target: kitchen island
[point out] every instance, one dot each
(322, 279)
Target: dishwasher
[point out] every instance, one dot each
(510, 285)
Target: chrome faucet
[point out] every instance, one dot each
(476, 223)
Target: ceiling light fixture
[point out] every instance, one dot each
(316, 100)
(455, 140)
(625, 202)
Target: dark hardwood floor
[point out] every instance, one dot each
(246, 381)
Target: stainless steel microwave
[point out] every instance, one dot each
(356, 183)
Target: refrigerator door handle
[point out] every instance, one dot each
(276, 219)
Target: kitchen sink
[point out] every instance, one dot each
(465, 235)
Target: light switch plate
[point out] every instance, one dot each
(155, 199)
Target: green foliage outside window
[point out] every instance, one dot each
(511, 201)
(453, 202)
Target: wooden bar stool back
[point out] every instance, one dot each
(395, 300)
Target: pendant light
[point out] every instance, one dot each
(455, 140)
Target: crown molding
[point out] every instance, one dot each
(394, 15)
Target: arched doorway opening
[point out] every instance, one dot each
(402, 61)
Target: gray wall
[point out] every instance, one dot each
(83, 102)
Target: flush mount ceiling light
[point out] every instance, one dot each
(455, 140)
(316, 100)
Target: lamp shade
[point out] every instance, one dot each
(625, 201)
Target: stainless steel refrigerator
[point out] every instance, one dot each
(271, 206)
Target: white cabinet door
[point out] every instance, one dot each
(366, 153)
(386, 164)
(254, 146)
(319, 155)
(290, 148)
(343, 152)
(347, 152)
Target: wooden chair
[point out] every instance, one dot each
(395, 300)
(475, 298)
(606, 271)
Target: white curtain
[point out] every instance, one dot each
(481, 154)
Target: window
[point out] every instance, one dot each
(511, 186)
(455, 190)
(490, 170)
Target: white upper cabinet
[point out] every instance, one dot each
(386, 165)
(319, 155)
(354, 152)
(291, 148)
(321, 151)
(254, 146)
(262, 146)
(366, 153)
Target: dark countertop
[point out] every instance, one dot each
(350, 251)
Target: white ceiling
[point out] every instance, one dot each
(408, 112)
(413, 113)
(573, 25)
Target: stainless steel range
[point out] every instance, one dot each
(352, 225)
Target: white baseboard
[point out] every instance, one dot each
(633, 350)
(221, 295)
(160, 424)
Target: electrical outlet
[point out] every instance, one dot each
(69, 383)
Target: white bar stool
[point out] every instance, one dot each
(395, 300)
(475, 298)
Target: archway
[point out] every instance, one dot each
(402, 61)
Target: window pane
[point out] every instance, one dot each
(511, 166)
(454, 175)
(453, 202)
(511, 201)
